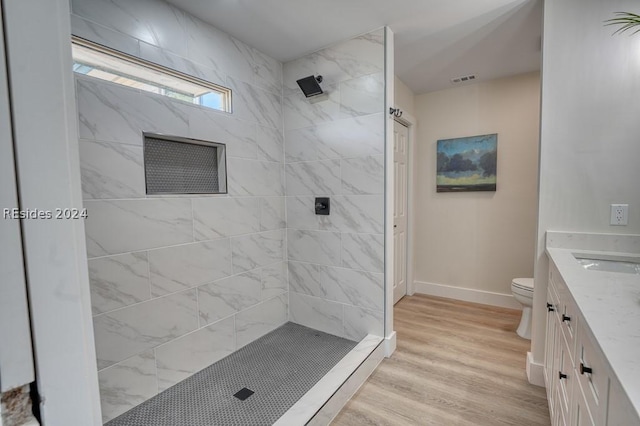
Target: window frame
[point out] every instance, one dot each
(104, 50)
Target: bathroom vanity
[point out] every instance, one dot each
(592, 359)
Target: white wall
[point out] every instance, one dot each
(589, 129)
(194, 277)
(479, 240)
(404, 98)
(334, 147)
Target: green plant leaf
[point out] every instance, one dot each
(626, 20)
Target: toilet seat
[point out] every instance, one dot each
(524, 284)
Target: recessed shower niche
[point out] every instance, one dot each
(176, 165)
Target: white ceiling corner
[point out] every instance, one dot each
(435, 40)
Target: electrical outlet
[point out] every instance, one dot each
(619, 214)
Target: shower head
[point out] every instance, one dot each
(310, 86)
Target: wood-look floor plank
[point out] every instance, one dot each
(456, 363)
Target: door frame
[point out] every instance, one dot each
(48, 173)
(410, 122)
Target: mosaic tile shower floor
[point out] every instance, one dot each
(279, 368)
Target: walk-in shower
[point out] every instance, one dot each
(201, 289)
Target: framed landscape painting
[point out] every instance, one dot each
(467, 164)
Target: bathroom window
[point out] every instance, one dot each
(107, 64)
(175, 165)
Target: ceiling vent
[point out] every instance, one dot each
(464, 78)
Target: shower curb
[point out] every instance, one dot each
(327, 397)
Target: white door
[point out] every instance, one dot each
(400, 161)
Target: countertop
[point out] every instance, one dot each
(609, 301)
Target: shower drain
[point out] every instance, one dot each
(243, 394)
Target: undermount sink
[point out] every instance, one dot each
(622, 264)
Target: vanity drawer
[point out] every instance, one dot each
(564, 376)
(592, 373)
(567, 314)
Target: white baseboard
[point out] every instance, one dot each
(390, 344)
(467, 294)
(535, 371)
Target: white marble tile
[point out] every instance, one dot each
(316, 313)
(358, 213)
(350, 213)
(214, 48)
(134, 329)
(182, 357)
(111, 170)
(362, 96)
(103, 35)
(165, 115)
(317, 178)
(302, 112)
(121, 226)
(238, 136)
(272, 213)
(360, 288)
(360, 136)
(312, 280)
(216, 217)
(228, 296)
(363, 251)
(180, 267)
(303, 144)
(254, 104)
(257, 321)
(166, 58)
(346, 138)
(248, 177)
(314, 246)
(274, 280)
(343, 285)
(127, 384)
(267, 72)
(359, 322)
(270, 144)
(358, 56)
(364, 175)
(257, 250)
(154, 22)
(118, 281)
(301, 214)
(109, 112)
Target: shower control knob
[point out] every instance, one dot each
(565, 318)
(550, 307)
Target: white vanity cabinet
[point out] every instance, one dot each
(581, 387)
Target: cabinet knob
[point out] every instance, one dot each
(561, 375)
(566, 318)
(584, 369)
(550, 307)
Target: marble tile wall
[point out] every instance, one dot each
(179, 282)
(334, 147)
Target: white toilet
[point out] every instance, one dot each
(522, 289)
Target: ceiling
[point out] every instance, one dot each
(435, 40)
